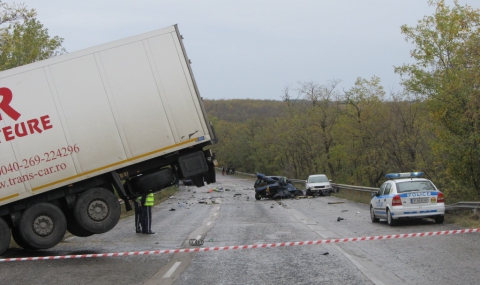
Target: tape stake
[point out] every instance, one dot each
(221, 248)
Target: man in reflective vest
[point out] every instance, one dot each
(147, 203)
(138, 214)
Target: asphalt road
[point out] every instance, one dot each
(234, 218)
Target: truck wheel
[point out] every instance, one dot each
(4, 236)
(42, 225)
(197, 180)
(74, 228)
(19, 240)
(211, 174)
(97, 210)
(299, 193)
(258, 197)
(153, 181)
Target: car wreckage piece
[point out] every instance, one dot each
(274, 187)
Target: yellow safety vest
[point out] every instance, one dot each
(149, 200)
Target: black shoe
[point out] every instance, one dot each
(138, 232)
(150, 233)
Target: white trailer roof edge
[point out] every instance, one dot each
(87, 51)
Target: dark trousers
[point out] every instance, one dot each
(146, 219)
(138, 217)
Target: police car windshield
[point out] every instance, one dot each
(318, 179)
(409, 186)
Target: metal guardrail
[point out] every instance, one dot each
(353, 187)
(463, 206)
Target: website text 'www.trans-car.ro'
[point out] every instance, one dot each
(35, 160)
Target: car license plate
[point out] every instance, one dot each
(419, 200)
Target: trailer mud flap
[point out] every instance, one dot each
(193, 164)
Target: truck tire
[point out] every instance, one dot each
(42, 225)
(19, 240)
(97, 210)
(197, 180)
(74, 228)
(153, 181)
(4, 236)
(211, 174)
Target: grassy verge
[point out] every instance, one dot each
(465, 219)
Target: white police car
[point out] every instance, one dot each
(406, 195)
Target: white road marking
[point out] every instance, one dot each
(171, 270)
(199, 237)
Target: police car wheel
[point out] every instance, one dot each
(439, 219)
(372, 216)
(390, 220)
(258, 197)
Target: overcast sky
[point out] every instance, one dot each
(255, 48)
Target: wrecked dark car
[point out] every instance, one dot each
(274, 187)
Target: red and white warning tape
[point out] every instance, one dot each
(218, 248)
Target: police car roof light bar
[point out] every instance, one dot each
(404, 175)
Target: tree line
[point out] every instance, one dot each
(358, 135)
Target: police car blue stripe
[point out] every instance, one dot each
(420, 212)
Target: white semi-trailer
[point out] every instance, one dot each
(122, 118)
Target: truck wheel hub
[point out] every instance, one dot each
(98, 210)
(43, 225)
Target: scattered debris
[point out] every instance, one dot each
(248, 198)
(325, 253)
(336, 202)
(339, 219)
(172, 209)
(196, 242)
(237, 194)
(227, 189)
(271, 206)
(345, 211)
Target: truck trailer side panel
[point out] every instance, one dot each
(97, 110)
